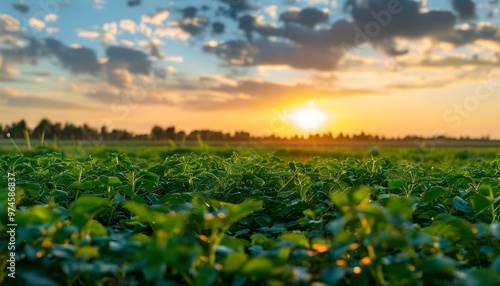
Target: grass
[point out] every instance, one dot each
(169, 215)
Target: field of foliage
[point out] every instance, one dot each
(253, 219)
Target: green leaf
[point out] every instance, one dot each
(113, 182)
(486, 191)
(299, 239)
(240, 211)
(96, 229)
(496, 264)
(475, 277)
(396, 184)
(432, 194)
(339, 199)
(87, 252)
(85, 208)
(259, 267)
(140, 237)
(207, 275)
(357, 195)
(479, 202)
(332, 275)
(234, 261)
(438, 265)
(462, 205)
(80, 185)
(34, 277)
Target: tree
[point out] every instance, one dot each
(170, 133)
(16, 130)
(157, 133)
(44, 128)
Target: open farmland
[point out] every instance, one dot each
(404, 217)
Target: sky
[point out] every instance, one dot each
(387, 67)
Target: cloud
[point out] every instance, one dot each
(467, 34)
(177, 59)
(193, 26)
(134, 61)
(87, 34)
(120, 77)
(52, 30)
(128, 25)
(302, 43)
(8, 24)
(127, 43)
(21, 7)
(218, 27)
(269, 53)
(77, 60)
(107, 38)
(466, 9)
(133, 3)
(156, 19)
(13, 97)
(37, 24)
(272, 11)
(255, 93)
(309, 17)
(9, 30)
(110, 28)
(380, 19)
(173, 33)
(51, 18)
(233, 8)
(457, 61)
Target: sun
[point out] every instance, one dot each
(308, 118)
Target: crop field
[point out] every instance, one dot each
(159, 216)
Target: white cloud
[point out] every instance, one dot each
(176, 59)
(110, 28)
(10, 92)
(170, 69)
(127, 43)
(155, 19)
(51, 17)
(173, 33)
(8, 24)
(331, 3)
(272, 11)
(128, 25)
(120, 77)
(107, 38)
(61, 79)
(87, 34)
(218, 80)
(144, 29)
(37, 24)
(52, 30)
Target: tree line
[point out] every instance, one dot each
(46, 130)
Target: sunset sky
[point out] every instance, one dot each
(389, 67)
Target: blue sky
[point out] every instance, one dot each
(162, 62)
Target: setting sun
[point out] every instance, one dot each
(308, 118)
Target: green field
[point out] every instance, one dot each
(274, 215)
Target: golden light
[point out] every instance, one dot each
(308, 118)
